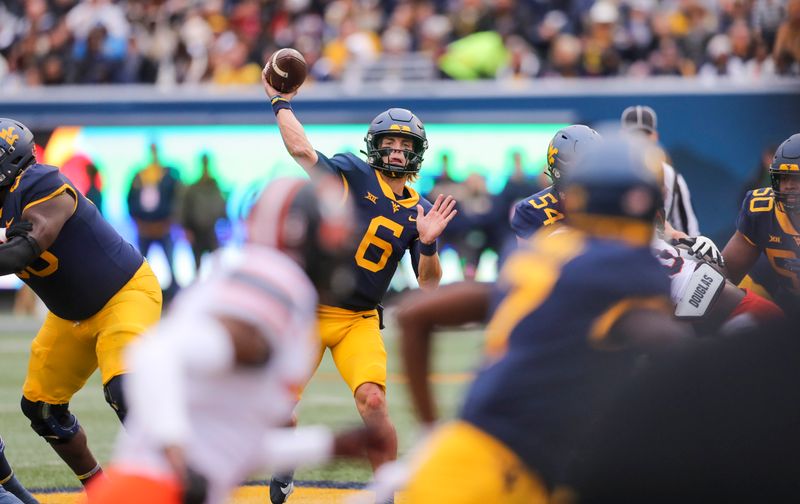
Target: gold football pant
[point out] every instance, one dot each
(65, 353)
(461, 464)
(354, 338)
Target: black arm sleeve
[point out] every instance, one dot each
(17, 253)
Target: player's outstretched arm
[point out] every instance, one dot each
(292, 132)
(418, 315)
(287, 449)
(740, 255)
(429, 227)
(702, 247)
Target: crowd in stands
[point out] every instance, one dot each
(51, 42)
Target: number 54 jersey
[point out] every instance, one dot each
(534, 212)
(765, 225)
(386, 227)
(87, 263)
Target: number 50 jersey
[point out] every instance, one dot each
(87, 263)
(765, 225)
(386, 227)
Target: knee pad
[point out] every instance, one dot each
(115, 397)
(53, 422)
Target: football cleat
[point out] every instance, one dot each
(280, 488)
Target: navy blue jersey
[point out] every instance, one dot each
(765, 225)
(542, 209)
(87, 263)
(550, 359)
(386, 227)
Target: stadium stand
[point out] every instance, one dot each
(52, 42)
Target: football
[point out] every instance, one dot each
(286, 70)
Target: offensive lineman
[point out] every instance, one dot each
(100, 292)
(768, 223)
(546, 207)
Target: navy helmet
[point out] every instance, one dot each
(16, 150)
(565, 148)
(396, 122)
(615, 187)
(786, 163)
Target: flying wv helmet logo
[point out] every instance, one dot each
(400, 127)
(551, 154)
(9, 136)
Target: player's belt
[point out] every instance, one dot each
(701, 292)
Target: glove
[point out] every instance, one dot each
(21, 228)
(703, 247)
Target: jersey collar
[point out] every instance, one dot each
(784, 221)
(409, 202)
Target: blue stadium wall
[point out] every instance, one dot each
(714, 132)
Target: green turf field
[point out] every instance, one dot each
(327, 400)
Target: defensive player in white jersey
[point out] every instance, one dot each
(701, 293)
(211, 386)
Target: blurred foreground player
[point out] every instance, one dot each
(769, 223)
(212, 385)
(101, 294)
(580, 304)
(390, 219)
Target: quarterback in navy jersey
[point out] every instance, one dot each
(546, 208)
(769, 223)
(100, 292)
(391, 218)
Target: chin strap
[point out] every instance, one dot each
(394, 174)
